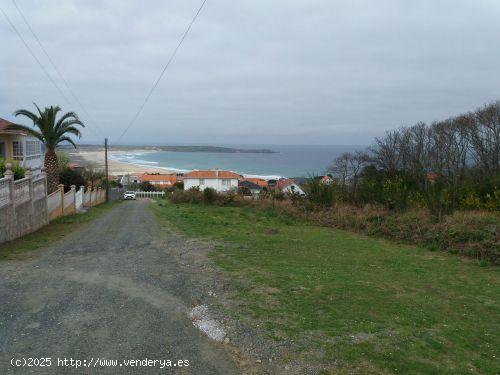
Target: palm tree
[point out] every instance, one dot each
(50, 132)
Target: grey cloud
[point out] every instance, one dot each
(282, 71)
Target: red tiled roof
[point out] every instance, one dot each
(165, 179)
(212, 174)
(431, 176)
(284, 182)
(256, 181)
(3, 128)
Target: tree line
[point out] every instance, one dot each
(447, 165)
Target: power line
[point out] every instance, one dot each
(54, 65)
(34, 56)
(155, 84)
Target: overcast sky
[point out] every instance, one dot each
(255, 71)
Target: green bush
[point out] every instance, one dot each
(16, 169)
(192, 195)
(209, 195)
(492, 201)
(438, 200)
(69, 177)
(395, 193)
(319, 193)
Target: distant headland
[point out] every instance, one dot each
(214, 149)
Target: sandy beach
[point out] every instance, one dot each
(95, 158)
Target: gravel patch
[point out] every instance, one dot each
(200, 316)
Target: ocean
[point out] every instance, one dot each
(288, 161)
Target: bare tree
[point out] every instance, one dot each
(386, 151)
(347, 168)
(484, 136)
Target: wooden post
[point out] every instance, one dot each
(61, 192)
(106, 167)
(73, 190)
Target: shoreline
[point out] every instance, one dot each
(95, 158)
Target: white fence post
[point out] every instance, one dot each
(29, 175)
(82, 195)
(8, 174)
(44, 176)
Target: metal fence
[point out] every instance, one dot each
(149, 194)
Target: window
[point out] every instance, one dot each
(202, 181)
(33, 148)
(17, 149)
(226, 182)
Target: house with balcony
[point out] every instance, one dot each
(20, 146)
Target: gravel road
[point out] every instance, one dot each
(110, 290)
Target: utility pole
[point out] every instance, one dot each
(106, 167)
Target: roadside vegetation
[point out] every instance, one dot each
(27, 245)
(471, 233)
(348, 302)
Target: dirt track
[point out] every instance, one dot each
(110, 290)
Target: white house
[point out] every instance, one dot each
(18, 145)
(130, 179)
(289, 186)
(215, 179)
(327, 180)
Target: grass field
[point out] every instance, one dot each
(356, 303)
(57, 229)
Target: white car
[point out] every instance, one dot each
(129, 195)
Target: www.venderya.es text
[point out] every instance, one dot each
(97, 362)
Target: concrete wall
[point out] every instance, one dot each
(69, 201)
(94, 197)
(115, 194)
(23, 216)
(26, 207)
